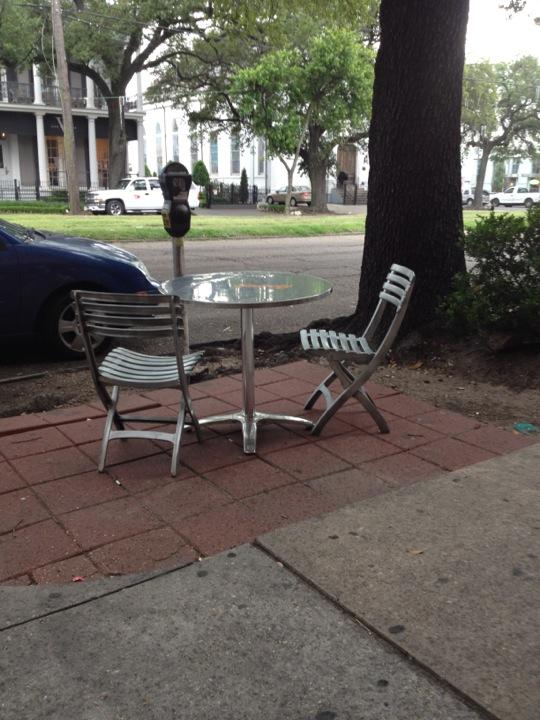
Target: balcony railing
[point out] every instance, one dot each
(23, 94)
(16, 92)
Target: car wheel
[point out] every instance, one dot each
(61, 333)
(115, 207)
(528, 203)
(470, 202)
(293, 202)
(269, 199)
(495, 203)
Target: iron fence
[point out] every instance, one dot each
(13, 190)
(229, 194)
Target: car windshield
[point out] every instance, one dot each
(17, 231)
(122, 185)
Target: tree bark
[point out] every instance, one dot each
(317, 167)
(480, 177)
(72, 178)
(414, 208)
(117, 140)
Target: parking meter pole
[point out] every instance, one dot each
(178, 271)
(175, 182)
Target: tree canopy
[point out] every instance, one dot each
(307, 100)
(501, 111)
(108, 43)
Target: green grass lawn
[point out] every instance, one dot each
(150, 227)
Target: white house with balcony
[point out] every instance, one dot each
(31, 134)
(168, 136)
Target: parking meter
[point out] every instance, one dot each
(175, 182)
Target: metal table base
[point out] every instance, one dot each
(248, 416)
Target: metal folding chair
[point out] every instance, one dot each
(114, 315)
(342, 348)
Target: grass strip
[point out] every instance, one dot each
(138, 228)
(150, 227)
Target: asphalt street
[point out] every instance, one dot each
(336, 258)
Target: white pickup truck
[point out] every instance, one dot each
(515, 196)
(137, 195)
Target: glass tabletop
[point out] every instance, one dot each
(248, 288)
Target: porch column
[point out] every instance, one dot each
(139, 93)
(38, 93)
(90, 95)
(140, 147)
(92, 153)
(43, 162)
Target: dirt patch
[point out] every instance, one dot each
(501, 388)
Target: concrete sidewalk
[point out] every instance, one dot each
(428, 612)
(61, 521)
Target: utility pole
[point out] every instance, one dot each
(67, 115)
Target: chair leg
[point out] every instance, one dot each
(322, 389)
(178, 438)
(194, 419)
(362, 395)
(365, 400)
(112, 415)
(352, 387)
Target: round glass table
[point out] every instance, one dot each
(247, 290)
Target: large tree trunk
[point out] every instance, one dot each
(317, 166)
(480, 177)
(117, 141)
(317, 179)
(414, 207)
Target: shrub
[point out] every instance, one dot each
(274, 207)
(244, 190)
(48, 207)
(200, 174)
(501, 291)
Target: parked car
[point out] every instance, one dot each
(467, 197)
(515, 196)
(39, 269)
(139, 194)
(300, 194)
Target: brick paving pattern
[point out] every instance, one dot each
(61, 521)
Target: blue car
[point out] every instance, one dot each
(39, 269)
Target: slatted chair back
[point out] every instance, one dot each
(395, 295)
(122, 315)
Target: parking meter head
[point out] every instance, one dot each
(175, 182)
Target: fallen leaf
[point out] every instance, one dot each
(415, 551)
(416, 365)
(77, 578)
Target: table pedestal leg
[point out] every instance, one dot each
(248, 416)
(249, 426)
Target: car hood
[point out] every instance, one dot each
(84, 246)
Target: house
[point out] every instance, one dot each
(31, 135)
(169, 136)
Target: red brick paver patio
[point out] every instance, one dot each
(61, 521)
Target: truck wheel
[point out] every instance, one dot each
(60, 331)
(495, 202)
(115, 207)
(269, 199)
(470, 202)
(528, 203)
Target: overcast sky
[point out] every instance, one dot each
(494, 34)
